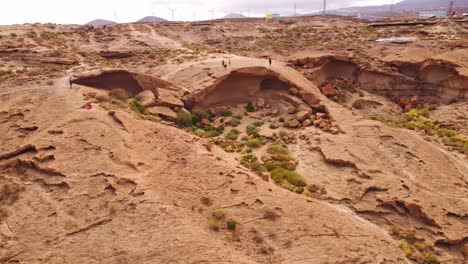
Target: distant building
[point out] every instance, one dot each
(432, 14)
(273, 16)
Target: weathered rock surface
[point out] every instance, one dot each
(164, 112)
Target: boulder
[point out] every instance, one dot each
(167, 98)
(206, 122)
(302, 116)
(329, 91)
(304, 107)
(293, 123)
(306, 123)
(164, 112)
(146, 98)
(260, 103)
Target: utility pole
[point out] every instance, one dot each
(115, 16)
(391, 8)
(295, 9)
(212, 13)
(194, 17)
(324, 8)
(172, 12)
(248, 12)
(449, 12)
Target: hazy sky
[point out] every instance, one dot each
(82, 11)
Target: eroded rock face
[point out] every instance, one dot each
(131, 177)
(109, 79)
(429, 77)
(164, 112)
(168, 98)
(147, 98)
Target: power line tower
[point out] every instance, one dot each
(194, 16)
(115, 16)
(172, 12)
(295, 9)
(212, 13)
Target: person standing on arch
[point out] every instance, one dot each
(269, 61)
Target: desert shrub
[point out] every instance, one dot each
(146, 51)
(250, 107)
(184, 118)
(251, 129)
(225, 112)
(215, 225)
(277, 149)
(257, 123)
(416, 119)
(431, 260)
(280, 175)
(235, 122)
(198, 114)
(233, 134)
(50, 82)
(271, 165)
(249, 158)
(406, 248)
(274, 126)
(31, 34)
(254, 143)
(231, 224)
(281, 157)
(136, 106)
(218, 214)
(211, 131)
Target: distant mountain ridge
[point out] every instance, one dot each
(149, 19)
(100, 22)
(403, 6)
(234, 15)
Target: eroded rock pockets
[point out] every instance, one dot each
(436, 79)
(249, 84)
(119, 79)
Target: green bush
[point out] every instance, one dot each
(215, 225)
(257, 123)
(225, 112)
(249, 158)
(250, 107)
(211, 131)
(277, 148)
(251, 129)
(218, 214)
(254, 143)
(232, 224)
(271, 165)
(233, 134)
(184, 118)
(280, 175)
(136, 106)
(431, 260)
(235, 122)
